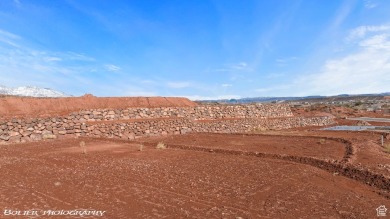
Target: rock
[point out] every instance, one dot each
(4, 137)
(14, 139)
(36, 137)
(12, 133)
(48, 136)
(26, 133)
(363, 123)
(46, 132)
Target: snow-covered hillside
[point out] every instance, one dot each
(31, 91)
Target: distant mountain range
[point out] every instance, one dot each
(305, 98)
(31, 91)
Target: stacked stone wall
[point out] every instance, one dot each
(138, 122)
(196, 113)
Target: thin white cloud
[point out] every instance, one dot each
(365, 70)
(78, 57)
(9, 42)
(21, 64)
(149, 82)
(139, 93)
(270, 91)
(275, 75)
(284, 60)
(112, 68)
(52, 59)
(341, 15)
(235, 67)
(370, 4)
(218, 97)
(240, 66)
(362, 31)
(178, 84)
(9, 35)
(376, 42)
(226, 85)
(9, 38)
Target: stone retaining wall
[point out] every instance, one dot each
(196, 113)
(159, 121)
(132, 130)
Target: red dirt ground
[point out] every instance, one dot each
(336, 111)
(198, 176)
(296, 146)
(367, 149)
(37, 107)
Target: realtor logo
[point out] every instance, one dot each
(381, 211)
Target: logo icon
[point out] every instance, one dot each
(381, 211)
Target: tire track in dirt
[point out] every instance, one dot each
(342, 167)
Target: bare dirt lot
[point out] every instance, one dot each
(276, 175)
(335, 111)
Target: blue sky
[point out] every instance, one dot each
(197, 49)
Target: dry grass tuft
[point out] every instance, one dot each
(260, 129)
(322, 141)
(83, 148)
(161, 145)
(387, 148)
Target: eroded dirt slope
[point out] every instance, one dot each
(27, 106)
